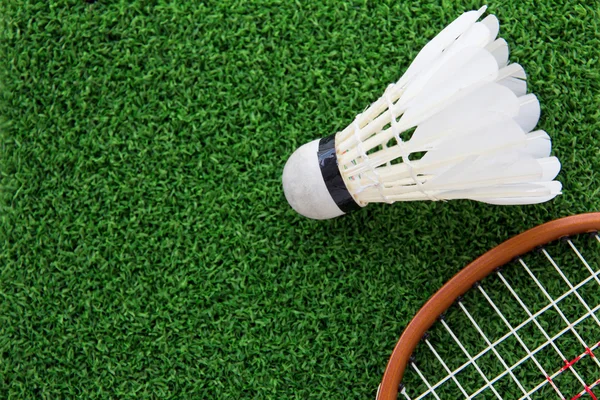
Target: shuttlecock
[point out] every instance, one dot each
(457, 125)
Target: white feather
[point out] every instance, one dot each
(514, 78)
(472, 117)
(486, 106)
(476, 172)
(493, 25)
(551, 167)
(438, 44)
(529, 112)
(466, 71)
(502, 136)
(500, 51)
(491, 105)
(538, 144)
(531, 193)
(478, 35)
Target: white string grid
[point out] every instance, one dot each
(548, 354)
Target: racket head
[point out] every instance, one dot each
(465, 279)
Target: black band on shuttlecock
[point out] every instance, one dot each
(332, 177)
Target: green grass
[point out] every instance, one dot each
(147, 249)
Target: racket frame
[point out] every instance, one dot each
(465, 279)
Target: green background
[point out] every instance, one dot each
(147, 249)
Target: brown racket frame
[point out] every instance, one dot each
(464, 280)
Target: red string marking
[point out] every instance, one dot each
(589, 352)
(588, 390)
(568, 364)
(549, 379)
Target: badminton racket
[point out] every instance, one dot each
(520, 322)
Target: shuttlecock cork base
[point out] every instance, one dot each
(313, 184)
(459, 124)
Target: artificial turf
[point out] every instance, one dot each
(147, 250)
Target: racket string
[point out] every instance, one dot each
(577, 294)
(564, 318)
(530, 355)
(430, 389)
(471, 359)
(568, 282)
(494, 350)
(450, 373)
(550, 340)
(582, 259)
(531, 318)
